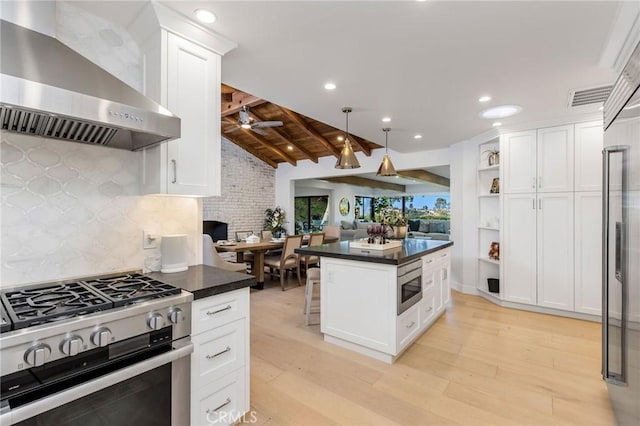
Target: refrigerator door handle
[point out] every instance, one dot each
(620, 257)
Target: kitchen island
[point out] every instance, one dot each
(377, 302)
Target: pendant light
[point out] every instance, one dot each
(347, 159)
(386, 167)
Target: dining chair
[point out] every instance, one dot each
(212, 258)
(242, 235)
(313, 278)
(331, 231)
(314, 240)
(287, 261)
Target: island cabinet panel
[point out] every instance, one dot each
(359, 302)
(220, 358)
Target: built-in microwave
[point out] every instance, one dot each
(409, 285)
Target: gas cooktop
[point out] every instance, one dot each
(51, 302)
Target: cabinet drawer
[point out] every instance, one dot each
(223, 402)
(408, 326)
(218, 310)
(427, 307)
(218, 352)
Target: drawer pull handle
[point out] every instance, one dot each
(219, 310)
(219, 353)
(215, 410)
(430, 309)
(412, 324)
(429, 261)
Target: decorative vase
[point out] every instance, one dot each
(401, 231)
(494, 158)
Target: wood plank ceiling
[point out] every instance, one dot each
(299, 138)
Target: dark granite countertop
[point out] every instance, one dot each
(204, 281)
(412, 249)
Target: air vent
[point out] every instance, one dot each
(33, 123)
(594, 95)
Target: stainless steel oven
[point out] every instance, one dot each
(127, 363)
(409, 285)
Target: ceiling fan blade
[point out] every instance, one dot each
(259, 131)
(235, 129)
(268, 124)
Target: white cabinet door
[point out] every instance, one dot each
(193, 94)
(518, 152)
(518, 248)
(555, 159)
(185, 78)
(588, 156)
(588, 252)
(555, 250)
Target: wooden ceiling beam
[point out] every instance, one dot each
(425, 176)
(370, 183)
(309, 130)
(281, 135)
(238, 100)
(252, 151)
(265, 143)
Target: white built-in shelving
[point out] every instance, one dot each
(488, 217)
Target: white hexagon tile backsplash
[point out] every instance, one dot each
(71, 210)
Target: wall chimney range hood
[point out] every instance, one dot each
(50, 90)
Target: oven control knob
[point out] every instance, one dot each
(176, 315)
(101, 337)
(71, 345)
(37, 354)
(155, 321)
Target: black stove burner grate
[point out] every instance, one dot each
(5, 324)
(131, 288)
(41, 304)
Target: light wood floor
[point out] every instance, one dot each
(479, 364)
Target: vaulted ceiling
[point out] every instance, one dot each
(299, 137)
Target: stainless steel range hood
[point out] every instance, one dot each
(48, 89)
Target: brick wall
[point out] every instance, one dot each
(248, 188)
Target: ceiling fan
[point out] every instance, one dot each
(247, 122)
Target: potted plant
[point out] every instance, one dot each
(395, 220)
(274, 220)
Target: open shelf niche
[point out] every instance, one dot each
(488, 217)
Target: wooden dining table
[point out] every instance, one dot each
(259, 249)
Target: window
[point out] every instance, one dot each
(311, 213)
(432, 206)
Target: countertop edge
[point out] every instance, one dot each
(337, 250)
(205, 281)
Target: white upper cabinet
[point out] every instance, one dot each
(518, 152)
(538, 161)
(555, 159)
(182, 72)
(588, 147)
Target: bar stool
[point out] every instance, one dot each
(313, 277)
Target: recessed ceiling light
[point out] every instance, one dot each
(484, 99)
(386, 119)
(418, 136)
(289, 147)
(497, 124)
(501, 111)
(340, 138)
(205, 16)
(330, 86)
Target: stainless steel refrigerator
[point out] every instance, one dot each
(621, 245)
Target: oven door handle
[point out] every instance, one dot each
(52, 401)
